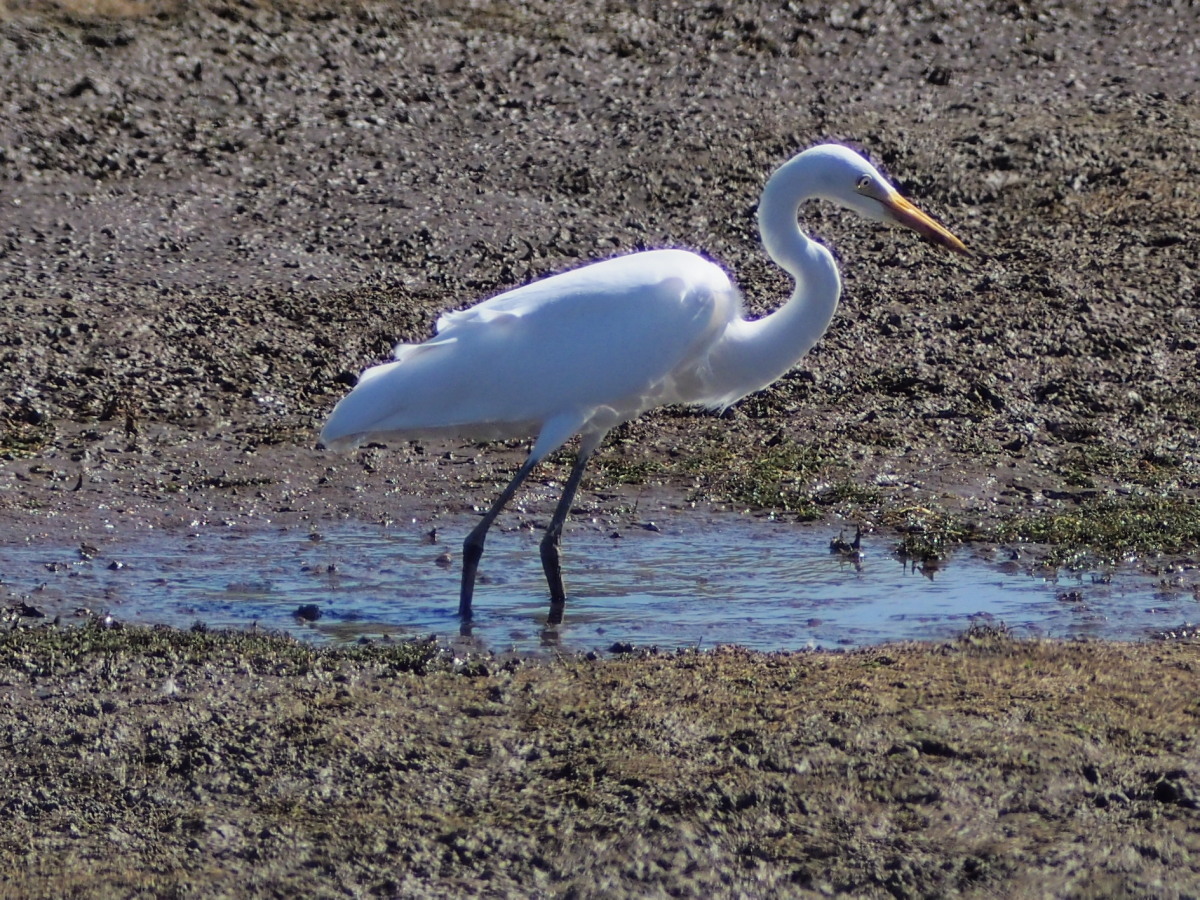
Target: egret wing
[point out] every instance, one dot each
(608, 340)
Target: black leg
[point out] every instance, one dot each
(473, 545)
(551, 558)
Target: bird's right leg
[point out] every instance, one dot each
(473, 545)
(551, 556)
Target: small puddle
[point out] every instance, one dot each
(760, 584)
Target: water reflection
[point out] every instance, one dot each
(697, 583)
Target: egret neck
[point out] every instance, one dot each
(755, 353)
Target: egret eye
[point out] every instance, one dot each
(864, 183)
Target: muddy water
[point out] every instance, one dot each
(724, 580)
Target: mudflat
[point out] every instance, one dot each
(215, 215)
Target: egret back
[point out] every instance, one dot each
(595, 345)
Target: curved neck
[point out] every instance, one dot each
(758, 352)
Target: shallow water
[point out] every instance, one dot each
(761, 584)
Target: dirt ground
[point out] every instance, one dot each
(171, 764)
(216, 214)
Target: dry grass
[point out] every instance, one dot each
(83, 10)
(985, 767)
(100, 11)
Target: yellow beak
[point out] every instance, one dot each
(904, 213)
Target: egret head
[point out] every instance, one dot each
(848, 180)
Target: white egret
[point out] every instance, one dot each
(583, 351)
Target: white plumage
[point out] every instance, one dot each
(513, 364)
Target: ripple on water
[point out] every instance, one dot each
(764, 585)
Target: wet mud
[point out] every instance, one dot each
(215, 215)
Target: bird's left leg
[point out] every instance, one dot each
(551, 563)
(473, 545)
